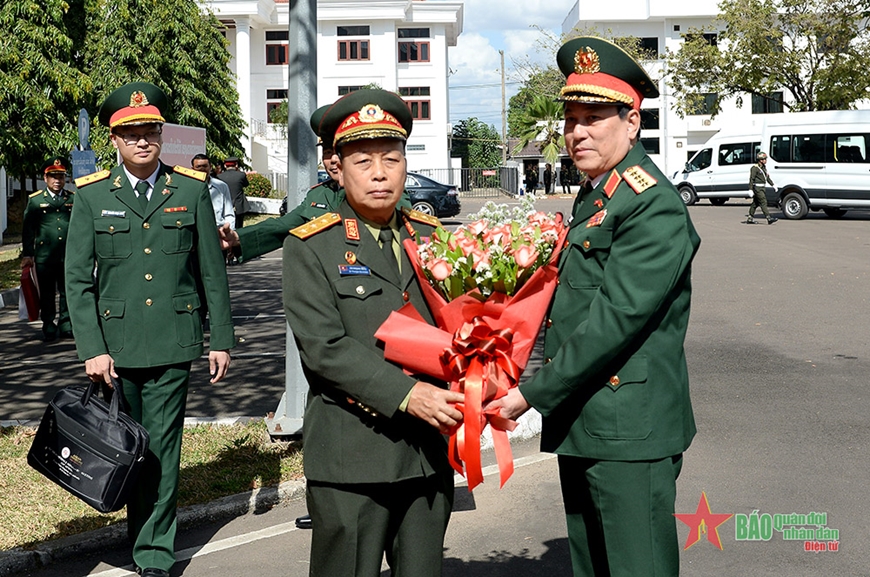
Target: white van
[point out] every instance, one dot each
(819, 161)
(720, 170)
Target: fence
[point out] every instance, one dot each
(478, 182)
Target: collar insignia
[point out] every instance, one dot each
(117, 181)
(351, 229)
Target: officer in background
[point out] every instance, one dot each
(43, 244)
(378, 479)
(150, 231)
(614, 389)
(757, 177)
(269, 235)
(221, 199)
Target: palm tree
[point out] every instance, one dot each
(542, 118)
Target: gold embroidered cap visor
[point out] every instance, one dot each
(367, 113)
(133, 104)
(600, 72)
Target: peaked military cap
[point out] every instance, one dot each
(761, 156)
(367, 113)
(54, 164)
(314, 123)
(600, 72)
(133, 104)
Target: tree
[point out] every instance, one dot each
(542, 117)
(816, 50)
(41, 85)
(478, 144)
(543, 83)
(172, 44)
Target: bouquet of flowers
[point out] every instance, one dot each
(488, 285)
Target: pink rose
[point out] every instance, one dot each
(525, 256)
(439, 268)
(477, 227)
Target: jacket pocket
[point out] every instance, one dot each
(620, 410)
(112, 323)
(112, 237)
(178, 231)
(588, 252)
(188, 323)
(357, 287)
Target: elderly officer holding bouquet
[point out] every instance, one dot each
(149, 229)
(378, 479)
(614, 389)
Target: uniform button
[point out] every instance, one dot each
(107, 312)
(547, 361)
(148, 276)
(145, 225)
(405, 296)
(360, 290)
(177, 223)
(549, 323)
(586, 244)
(189, 307)
(111, 228)
(614, 380)
(558, 282)
(147, 250)
(149, 302)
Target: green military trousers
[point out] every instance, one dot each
(50, 277)
(759, 199)
(156, 397)
(621, 516)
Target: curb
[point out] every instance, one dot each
(9, 298)
(249, 503)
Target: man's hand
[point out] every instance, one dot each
(218, 363)
(26, 261)
(512, 405)
(435, 406)
(100, 368)
(228, 237)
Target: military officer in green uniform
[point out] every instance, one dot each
(378, 480)
(268, 235)
(43, 244)
(757, 178)
(149, 230)
(614, 389)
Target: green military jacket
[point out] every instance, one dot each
(153, 269)
(354, 431)
(45, 226)
(758, 176)
(614, 385)
(269, 235)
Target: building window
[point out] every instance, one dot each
(353, 49)
(277, 36)
(352, 30)
(343, 90)
(419, 107)
(711, 39)
(413, 33)
(650, 46)
(769, 104)
(651, 145)
(274, 98)
(649, 118)
(277, 53)
(413, 52)
(705, 104)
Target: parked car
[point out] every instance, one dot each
(431, 197)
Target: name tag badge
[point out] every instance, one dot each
(120, 213)
(353, 269)
(318, 205)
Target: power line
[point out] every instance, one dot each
(468, 86)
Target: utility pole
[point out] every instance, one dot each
(503, 114)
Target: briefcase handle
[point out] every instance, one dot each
(114, 404)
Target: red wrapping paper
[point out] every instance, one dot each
(30, 292)
(480, 348)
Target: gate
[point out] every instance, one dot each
(478, 182)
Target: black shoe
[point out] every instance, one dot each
(772, 220)
(152, 572)
(303, 522)
(49, 337)
(749, 220)
(66, 334)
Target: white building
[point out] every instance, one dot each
(400, 45)
(669, 139)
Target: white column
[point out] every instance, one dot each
(243, 83)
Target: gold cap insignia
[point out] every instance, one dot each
(586, 61)
(138, 99)
(371, 113)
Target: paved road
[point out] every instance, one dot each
(777, 351)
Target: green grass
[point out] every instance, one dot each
(216, 461)
(10, 263)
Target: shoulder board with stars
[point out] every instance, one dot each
(37, 193)
(190, 172)
(92, 178)
(420, 217)
(319, 224)
(638, 179)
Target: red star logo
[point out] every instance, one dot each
(703, 521)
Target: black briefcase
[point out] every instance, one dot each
(90, 448)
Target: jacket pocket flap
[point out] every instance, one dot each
(359, 287)
(177, 219)
(112, 308)
(186, 302)
(111, 225)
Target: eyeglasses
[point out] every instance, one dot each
(133, 139)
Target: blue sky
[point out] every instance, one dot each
(490, 26)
